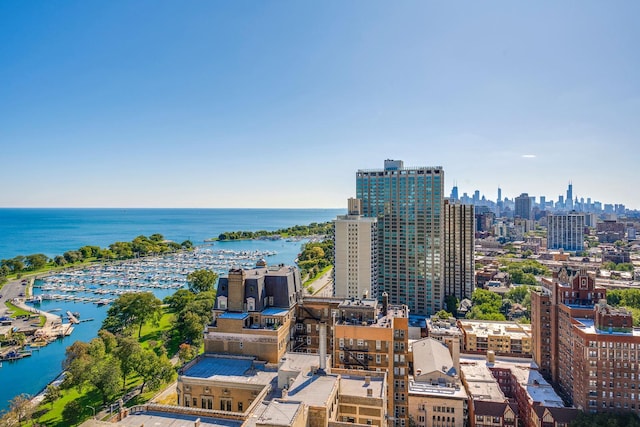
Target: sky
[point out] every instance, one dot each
(153, 103)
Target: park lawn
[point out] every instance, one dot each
(152, 333)
(16, 311)
(52, 415)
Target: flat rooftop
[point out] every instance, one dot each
(438, 390)
(228, 369)
(588, 326)
(352, 385)
(162, 419)
(314, 390)
(300, 362)
(280, 413)
(485, 328)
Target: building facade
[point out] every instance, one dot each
(408, 203)
(355, 270)
(371, 336)
(595, 354)
(254, 311)
(522, 206)
(565, 231)
(459, 250)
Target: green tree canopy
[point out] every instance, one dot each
(132, 309)
(202, 281)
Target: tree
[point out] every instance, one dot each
(59, 260)
(518, 293)
(72, 412)
(451, 303)
(77, 363)
(179, 300)
(187, 352)
(201, 281)
(191, 328)
(126, 353)
(36, 261)
(52, 393)
(20, 408)
(132, 309)
(153, 369)
(105, 377)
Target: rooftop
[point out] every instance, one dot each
(279, 413)
(483, 328)
(230, 369)
(275, 311)
(477, 371)
(162, 419)
(314, 390)
(588, 327)
(352, 385)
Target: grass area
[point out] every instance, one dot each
(157, 334)
(16, 311)
(51, 414)
(310, 281)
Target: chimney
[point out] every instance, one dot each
(367, 380)
(385, 303)
(369, 392)
(323, 348)
(196, 423)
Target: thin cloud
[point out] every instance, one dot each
(529, 156)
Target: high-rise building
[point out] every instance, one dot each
(408, 204)
(355, 254)
(586, 347)
(565, 231)
(569, 202)
(523, 206)
(454, 192)
(459, 247)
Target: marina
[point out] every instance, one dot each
(101, 284)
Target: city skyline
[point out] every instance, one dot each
(147, 104)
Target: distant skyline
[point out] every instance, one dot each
(278, 104)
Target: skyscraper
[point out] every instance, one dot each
(523, 206)
(454, 192)
(566, 231)
(355, 254)
(408, 204)
(459, 246)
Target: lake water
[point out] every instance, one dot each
(54, 231)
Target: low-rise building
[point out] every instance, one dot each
(504, 338)
(436, 395)
(521, 387)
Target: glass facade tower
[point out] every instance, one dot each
(408, 203)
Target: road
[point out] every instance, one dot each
(323, 286)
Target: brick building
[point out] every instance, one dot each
(593, 351)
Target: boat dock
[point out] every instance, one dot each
(73, 319)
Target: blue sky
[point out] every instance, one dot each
(278, 103)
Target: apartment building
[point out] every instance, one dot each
(254, 311)
(371, 336)
(436, 395)
(408, 203)
(355, 271)
(594, 349)
(503, 338)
